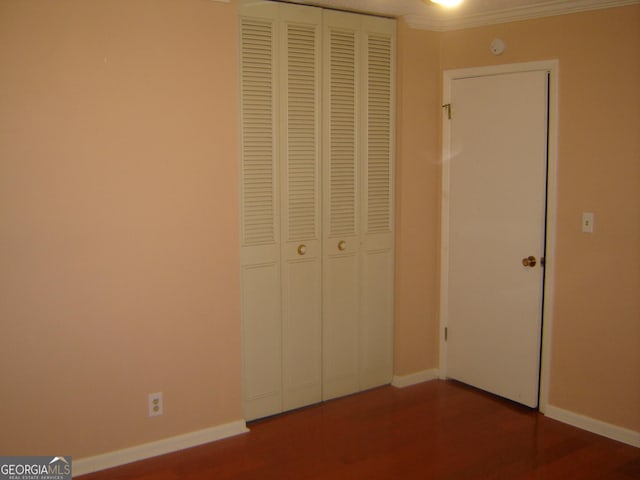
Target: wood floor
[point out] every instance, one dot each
(436, 430)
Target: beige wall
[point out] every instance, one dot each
(119, 214)
(595, 367)
(118, 222)
(417, 201)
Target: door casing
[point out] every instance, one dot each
(552, 67)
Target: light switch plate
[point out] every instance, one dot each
(587, 222)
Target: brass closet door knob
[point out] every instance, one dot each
(529, 261)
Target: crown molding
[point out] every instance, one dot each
(515, 14)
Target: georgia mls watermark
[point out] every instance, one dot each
(35, 468)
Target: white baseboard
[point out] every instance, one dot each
(402, 381)
(608, 430)
(160, 447)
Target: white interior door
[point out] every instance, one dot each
(495, 212)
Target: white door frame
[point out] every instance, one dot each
(552, 67)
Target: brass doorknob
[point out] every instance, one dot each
(342, 245)
(302, 249)
(530, 261)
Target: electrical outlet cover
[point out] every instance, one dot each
(155, 404)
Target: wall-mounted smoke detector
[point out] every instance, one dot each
(497, 46)
(447, 3)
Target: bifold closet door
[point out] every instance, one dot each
(316, 105)
(300, 110)
(280, 206)
(377, 219)
(358, 202)
(260, 215)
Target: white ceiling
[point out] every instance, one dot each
(472, 13)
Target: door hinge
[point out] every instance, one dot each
(448, 107)
(446, 333)
(542, 261)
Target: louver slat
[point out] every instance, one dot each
(257, 110)
(302, 162)
(379, 133)
(342, 133)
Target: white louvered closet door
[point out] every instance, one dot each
(358, 203)
(341, 205)
(260, 213)
(377, 220)
(301, 222)
(316, 204)
(281, 205)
